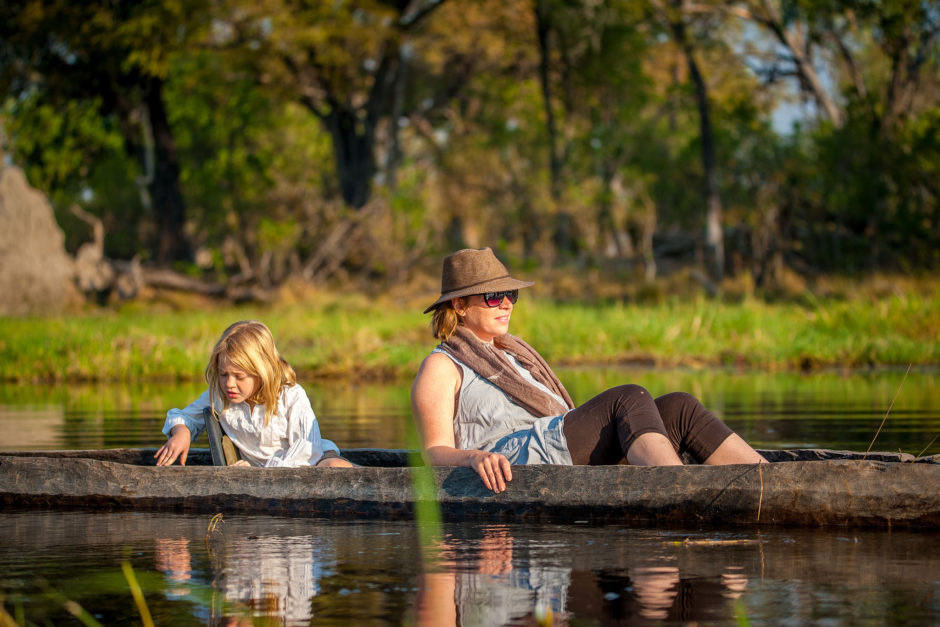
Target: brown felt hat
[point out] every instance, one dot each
(472, 271)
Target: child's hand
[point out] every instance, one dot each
(241, 462)
(176, 446)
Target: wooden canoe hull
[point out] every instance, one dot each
(828, 491)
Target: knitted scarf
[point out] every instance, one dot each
(490, 362)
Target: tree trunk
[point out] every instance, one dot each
(714, 238)
(168, 206)
(554, 161)
(563, 229)
(353, 152)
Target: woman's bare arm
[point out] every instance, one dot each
(432, 403)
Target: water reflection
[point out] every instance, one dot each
(492, 585)
(505, 579)
(268, 577)
(770, 410)
(266, 570)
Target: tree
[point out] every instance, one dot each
(675, 16)
(116, 56)
(346, 63)
(881, 59)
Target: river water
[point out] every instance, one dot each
(269, 570)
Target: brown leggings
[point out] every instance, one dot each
(602, 430)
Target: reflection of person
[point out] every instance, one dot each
(259, 576)
(496, 591)
(273, 576)
(486, 399)
(174, 559)
(254, 393)
(655, 589)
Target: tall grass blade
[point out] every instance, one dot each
(5, 619)
(72, 607)
(883, 420)
(424, 487)
(740, 614)
(929, 444)
(138, 594)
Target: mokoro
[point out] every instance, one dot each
(801, 487)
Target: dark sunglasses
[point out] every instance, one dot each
(495, 299)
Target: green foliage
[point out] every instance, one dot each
(276, 110)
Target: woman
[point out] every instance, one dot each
(486, 399)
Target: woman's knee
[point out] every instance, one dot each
(677, 403)
(631, 393)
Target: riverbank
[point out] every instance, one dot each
(332, 335)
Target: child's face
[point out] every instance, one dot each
(236, 384)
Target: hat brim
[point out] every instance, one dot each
(496, 285)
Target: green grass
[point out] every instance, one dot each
(349, 336)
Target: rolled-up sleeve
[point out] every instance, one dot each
(305, 446)
(191, 416)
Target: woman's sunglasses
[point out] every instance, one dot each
(495, 299)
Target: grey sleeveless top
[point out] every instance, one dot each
(487, 419)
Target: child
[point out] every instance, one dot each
(255, 395)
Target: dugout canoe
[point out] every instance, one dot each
(802, 487)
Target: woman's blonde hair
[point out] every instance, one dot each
(249, 345)
(444, 321)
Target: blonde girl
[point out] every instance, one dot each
(254, 393)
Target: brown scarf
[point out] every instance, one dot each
(490, 362)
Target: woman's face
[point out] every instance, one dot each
(236, 384)
(485, 322)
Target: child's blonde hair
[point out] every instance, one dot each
(249, 345)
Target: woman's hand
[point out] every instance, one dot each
(241, 462)
(176, 446)
(493, 468)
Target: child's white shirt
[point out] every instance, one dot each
(291, 439)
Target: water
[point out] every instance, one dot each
(271, 570)
(830, 410)
(303, 571)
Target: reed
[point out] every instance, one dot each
(887, 413)
(213, 527)
(137, 593)
(427, 513)
(6, 619)
(71, 606)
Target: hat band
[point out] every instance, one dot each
(472, 285)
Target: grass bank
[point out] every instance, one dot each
(333, 335)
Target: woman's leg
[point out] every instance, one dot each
(734, 450)
(695, 430)
(625, 422)
(622, 422)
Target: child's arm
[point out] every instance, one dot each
(176, 446)
(182, 427)
(305, 446)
